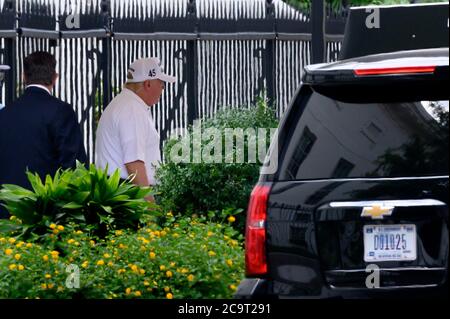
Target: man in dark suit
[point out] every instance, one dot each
(38, 132)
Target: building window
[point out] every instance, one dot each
(301, 152)
(342, 169)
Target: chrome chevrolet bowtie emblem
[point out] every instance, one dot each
(377, 211)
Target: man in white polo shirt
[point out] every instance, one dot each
(126, 136)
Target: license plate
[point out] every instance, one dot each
(390, 243)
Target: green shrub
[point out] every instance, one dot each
(87, 196)
(186, 258)
(210, 187)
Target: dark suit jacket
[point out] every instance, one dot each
(40, 133)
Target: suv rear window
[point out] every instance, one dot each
(333, 139)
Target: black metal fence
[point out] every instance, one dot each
(224, 53)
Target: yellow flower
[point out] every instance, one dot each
(50, 286)
(107, 255)
(162, 267)
(166, 289)
(85, 264)
(118, 232)
(48, 276)
(184, 271)
(122, 246)
(233, 287)
(71, 241)
(45, 258)
(17, 256)
(12, 266)
(210, 234)
(79, 232)
(211, 253)
(169, 274)
(146, 283)
(170, 214)
(110, 264)
(55, 231)
(55, 254)
(92, 242)
(152, 255)
(52, 226)
(12, 240)
(172, 264)
(163, 233)
(128, 291)
(169, 296)
(20, 267)
(134, 268)
(190, 278)
(231, 219)
(120, 271)
(229, 262)
(12, 217)
(100, 262)
(142, 271)
(60, 228)
(29, 245)
(44, 286)
(137, 293)
(2, 239)
(20, 244)
(8, 251)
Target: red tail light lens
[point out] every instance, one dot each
(398, 70)
(255, 233)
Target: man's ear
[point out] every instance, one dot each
(54, 78)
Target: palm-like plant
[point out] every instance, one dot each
(82, 195)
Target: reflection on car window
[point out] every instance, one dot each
(367, 140)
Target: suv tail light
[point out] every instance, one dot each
(255, 233)
(398, 70)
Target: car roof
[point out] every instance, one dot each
(344, 70)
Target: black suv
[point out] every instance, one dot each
(358, 203)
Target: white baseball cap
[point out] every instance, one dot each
(147, 69)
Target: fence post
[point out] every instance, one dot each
(191, 64)
(10, 57)
(270, 55)
(318, 31)
(106, 62)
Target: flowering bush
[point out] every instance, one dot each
(183, 258)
